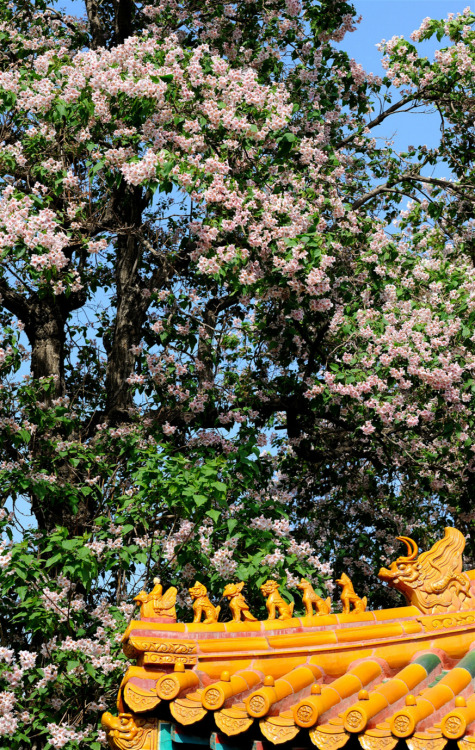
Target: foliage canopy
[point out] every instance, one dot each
(207, 249)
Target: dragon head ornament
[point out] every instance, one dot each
(433, 581)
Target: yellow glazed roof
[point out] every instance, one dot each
(388, 676)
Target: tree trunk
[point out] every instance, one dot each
(45, 329)
(131, 307)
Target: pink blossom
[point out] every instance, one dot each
(368, 428)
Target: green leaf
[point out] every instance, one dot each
(220, 486)
(53, 560)
(167, 168)
(69, 544)
(91, 671)
(200, 500)
(214, 514)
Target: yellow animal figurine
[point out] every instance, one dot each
(237, 603)
(275, 603)
(202, 605)
(348, 596)
(311, 599)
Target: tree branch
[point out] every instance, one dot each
(14, 302)
(378, 120)
(372, 194)
(387, 187)
(210, 315)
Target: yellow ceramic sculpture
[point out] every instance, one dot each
(157, 604)
(274, 602)
(434, 581)
(311, 599)
(349, 597)
(128, 732)
(237, 603)
(202, 605)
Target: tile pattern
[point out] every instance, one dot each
(383, 677)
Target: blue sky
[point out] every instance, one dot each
(383, 19)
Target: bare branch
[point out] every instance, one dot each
(373, 193)
(379, 119)
(14, 302)
(388, 187)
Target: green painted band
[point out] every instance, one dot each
(468, 663)
(429, 661)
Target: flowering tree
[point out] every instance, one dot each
(206, 250)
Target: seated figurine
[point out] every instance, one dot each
(237, 603)
(156, 604)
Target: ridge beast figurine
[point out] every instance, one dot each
(157, 604)
(130, 732)
(275, 603)
(202, 605)
(311, 599)
(237, 603)
(434, 581)
(348, 596)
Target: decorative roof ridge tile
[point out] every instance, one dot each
(396, 652)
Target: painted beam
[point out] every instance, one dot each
(219, 742)
(165, 736)
(183, 738)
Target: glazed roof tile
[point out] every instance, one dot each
(387, 676)
(384, 679)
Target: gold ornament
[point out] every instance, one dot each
(311, 599)
(232, 721)
(377, 739)
(188, 710)
(434, 581)
(202, 605)
(349, 597)
(275, 603)
(237, 603)
(130, 732)
(140, 700)
(278, 729)
(328, 737)
(157, 604)
(422, 741)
